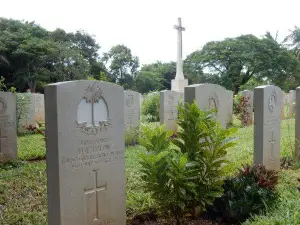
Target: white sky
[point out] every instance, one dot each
(146, 27)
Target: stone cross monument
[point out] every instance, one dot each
(179, 82)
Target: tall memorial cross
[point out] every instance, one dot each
(97, 188)
(179, 70)
(179, 83)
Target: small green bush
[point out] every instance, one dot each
(248, 193)
(150, 107)
(186, 174)
(23, 100)
(154, 138)
(131, 136)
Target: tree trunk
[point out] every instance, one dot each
(236, 89)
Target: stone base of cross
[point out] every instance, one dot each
(179, 84)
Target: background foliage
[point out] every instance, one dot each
(31, 56)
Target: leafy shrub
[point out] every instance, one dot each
(40, 129)
(150, 107)
(22, 107)
(241, 105)
(248, 193)
(185, 175)
(154, 138)
(205, 142)
(131, 136)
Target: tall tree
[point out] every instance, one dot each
(147, 81)
(121, 64)
(237, 60)
(164, 72)
(29, 54)
(293, 41)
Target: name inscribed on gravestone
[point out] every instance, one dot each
(93, 152)
(172, 102)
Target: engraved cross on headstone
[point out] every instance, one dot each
(2, 137)
(95, 190)
(272, 142)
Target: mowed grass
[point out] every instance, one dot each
(23, 184)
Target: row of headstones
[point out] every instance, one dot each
(207, 96)
(267, 103)
(211, 96)
(35, 110)
(287, 106)
(85, 144)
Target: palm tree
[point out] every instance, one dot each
(292, 41)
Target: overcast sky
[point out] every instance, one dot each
(146, 27)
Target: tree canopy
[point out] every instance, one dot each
(236, 60)
(31, 56)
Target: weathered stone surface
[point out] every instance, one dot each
(249, 115)
(229, 106)
(267, 108)
(85, 153)
(30, 119)
(132, 109)
(284, 105)
(297, 126)
(8, 130)
(291, 103)
(209, 96)
(39, 107)
(168, 112)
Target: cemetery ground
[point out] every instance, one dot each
(23, 194)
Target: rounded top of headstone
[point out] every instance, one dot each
(84, 82)
(206, 85)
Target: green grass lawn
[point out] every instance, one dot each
(23, 192)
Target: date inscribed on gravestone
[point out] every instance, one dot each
(93, 152)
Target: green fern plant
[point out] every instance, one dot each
(154, 138)
(205, 142)
(186, 174)
(169, 177)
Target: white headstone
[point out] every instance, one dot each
(168, 112)
(39, 107)
(132, 108)
(229, 106)
(209, 96)
(291, 99)
(267, 110)
(85, 153)
(8, 130)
